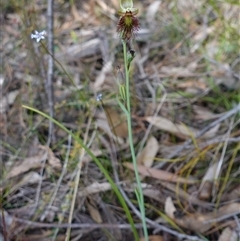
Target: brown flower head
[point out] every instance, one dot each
(128, 25)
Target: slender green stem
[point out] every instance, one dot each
(139, 191)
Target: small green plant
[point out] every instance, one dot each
(127, 27)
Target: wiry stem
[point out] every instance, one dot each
(139, 191)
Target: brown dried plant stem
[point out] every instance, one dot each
(49, 81)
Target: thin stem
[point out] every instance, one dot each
(139, 191)
(49, 83)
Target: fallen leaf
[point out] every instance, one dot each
(77, 51)
(153, 238)
(159, 174)
(228, 235)
(102, 123)
(169, 208)
(7, 100)
(222, 74)
(117, 122)
(207, 182)
(95, 188)
(202, 113)
(107, 68)
(203, 222)
(147, 155)
(94, 212)
(52, 160)
(177, 72)
(31, 177)
(178, 129)
(182, 194)
(232, 195)
(7, 223)
(28, 163)
(192, 86)
(200, 36)
(212, 132)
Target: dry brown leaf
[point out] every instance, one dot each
(7, 223)
(28, 163)
(212, 132)
(76, 15)
(169, 207)
(153, 238)
(95, 188)
(117, 122)
(93, 211)
(107, 68)
(222, 74)
(200, 36)
(233, 195)
(177, 71)
(203, 222)
(53, 161)
(147, 155)
(159, 174)
(203, 113)
(193, 86)
(31, 177)
(102, 123)
(228, 235)
(8, 100)
(178, 129)
(81, 50)
(207, 182)
(182, 194)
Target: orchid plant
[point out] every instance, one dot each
(127, 27)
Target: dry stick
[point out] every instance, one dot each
(79, 168)
(60, 180)
(74, 225)
(238, 224)
(202, 132)
(54, 194)
(49, 83)
(220, 162)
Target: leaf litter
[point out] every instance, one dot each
(184, 47)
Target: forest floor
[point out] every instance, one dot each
(185, 103)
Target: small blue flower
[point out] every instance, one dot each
(38, 35)
(99, 97)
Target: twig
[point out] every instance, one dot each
(79, 168)
(49, 83)
(202, 132)
(32, 224)
(59, 180)
(220, 162)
